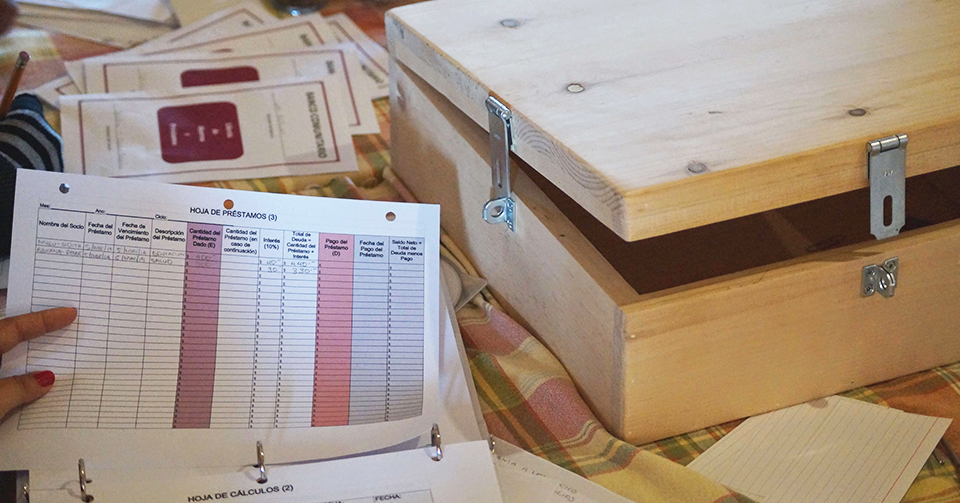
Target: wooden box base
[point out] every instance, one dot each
(671, 334)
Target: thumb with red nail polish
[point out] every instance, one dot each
(18, 390)
(45, 378)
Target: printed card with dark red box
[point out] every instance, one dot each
(218, 76)
(200, 132)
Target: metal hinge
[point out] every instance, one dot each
(880, 278)
(501, 207)
(887, 170)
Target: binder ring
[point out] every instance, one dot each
(262, 479)
(86, 498)
(435, 443)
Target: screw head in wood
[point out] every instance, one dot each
(857, 112)
(509, 23)
(868, 290)
(697, 168)
(575, 88)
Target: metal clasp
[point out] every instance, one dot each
(435, 443)
(501, 207)
(887, 170)
(85, 496)
(262, 479)
(880, 278)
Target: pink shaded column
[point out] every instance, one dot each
(331, 377)
(198, 342)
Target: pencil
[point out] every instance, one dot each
(14, 82)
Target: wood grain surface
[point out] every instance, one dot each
(756, 97)
(546, 275)
(772, 337)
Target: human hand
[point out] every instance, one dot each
(18, 390)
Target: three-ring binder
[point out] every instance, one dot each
(84, 495)
(262, 479)
(435, 444)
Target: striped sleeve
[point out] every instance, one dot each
(26, 142)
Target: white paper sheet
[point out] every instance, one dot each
(189, 11)
(289, 34)
(337, 65)
(75, 71)
(236, 19)
(464, 475)
(96, 26)
(460, 417)
(459, 421)
(525, 478)
(237, 131)
(834, 449)
(121, 34)
(373, 56)
(150, 10)
(53, 90)
(242, 17)
(202, 330)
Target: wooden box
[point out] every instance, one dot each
(692, 197)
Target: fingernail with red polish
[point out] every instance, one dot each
(45, 378)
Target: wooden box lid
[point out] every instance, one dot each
(699, 111)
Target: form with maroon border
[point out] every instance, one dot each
(239, 131)
(293, 33)
(338, 65)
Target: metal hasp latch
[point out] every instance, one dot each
(501, 207)
(880, 278)
(887, 170)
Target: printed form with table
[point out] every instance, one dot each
(247, 346)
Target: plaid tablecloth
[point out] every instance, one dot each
(526, 395)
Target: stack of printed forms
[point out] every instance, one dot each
(239, 94)
(120, 23)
